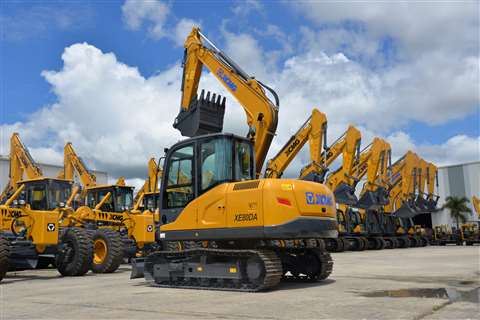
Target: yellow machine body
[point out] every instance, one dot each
(264, 203)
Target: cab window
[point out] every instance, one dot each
(216, 162)
(243, 161)
(179, 190)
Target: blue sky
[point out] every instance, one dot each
(385, 60)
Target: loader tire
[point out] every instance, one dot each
(76, 253)
(4, 253)
(107, 251)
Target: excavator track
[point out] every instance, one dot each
(215, 269)
(308, 264)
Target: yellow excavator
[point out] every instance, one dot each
(231, 230)
(147, 197)
(373, 163)
(30, 232)
(476, 205)
(107, 214)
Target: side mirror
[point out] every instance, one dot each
(61, 205)
(21, 202)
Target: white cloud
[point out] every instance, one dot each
(245, 7)
(154, 13)
(432, 72)
(457, 149)
(157, 17)
(182, 29)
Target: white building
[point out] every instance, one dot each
(48, 170)
(462, 180)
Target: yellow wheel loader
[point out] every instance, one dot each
(30, 233)
(106, 212)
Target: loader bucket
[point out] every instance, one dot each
(345, 194)
(204, 116)
(137, 268)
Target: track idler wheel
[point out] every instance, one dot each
(107, 251)
(75, 253)
(4, 253)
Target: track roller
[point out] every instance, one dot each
(4, 253)
(107, 251)
(75, 253)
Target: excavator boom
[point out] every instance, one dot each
(204, 114)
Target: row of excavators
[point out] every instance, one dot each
(213, 213)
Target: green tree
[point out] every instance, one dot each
(458, 208)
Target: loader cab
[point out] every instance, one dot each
(45, 194)
(151, 201)
(195, 166)
(120, 199)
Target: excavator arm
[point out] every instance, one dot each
(204, 114)
(21, 163)
(421, 199)
(313, 131)
(432, 183)
(373, 160)
(151, 183)
(403, 186)
(476, 205)
(342, 181)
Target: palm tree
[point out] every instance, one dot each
(458, 208)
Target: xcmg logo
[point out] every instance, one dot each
(226, 79)
(291, 147)
(318, 198)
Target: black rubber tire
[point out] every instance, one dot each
(403, 242)
(365, 243)
(114, 254)
(75, 257)
(389, 243)
(357, 244)
(381, 243)
(425, 241)
(346, 244)
(4, 253)
(339, 245)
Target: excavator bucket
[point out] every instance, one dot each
(204, 116)
(345, 194)
(368, 200)
(421, 203)
(407, 210)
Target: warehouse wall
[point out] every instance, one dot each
(47, 169)
(461, 180)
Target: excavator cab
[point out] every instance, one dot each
(45, 194)
(120, 199)
(218, 158)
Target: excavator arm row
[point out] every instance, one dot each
(313, 131)
(204, 114)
